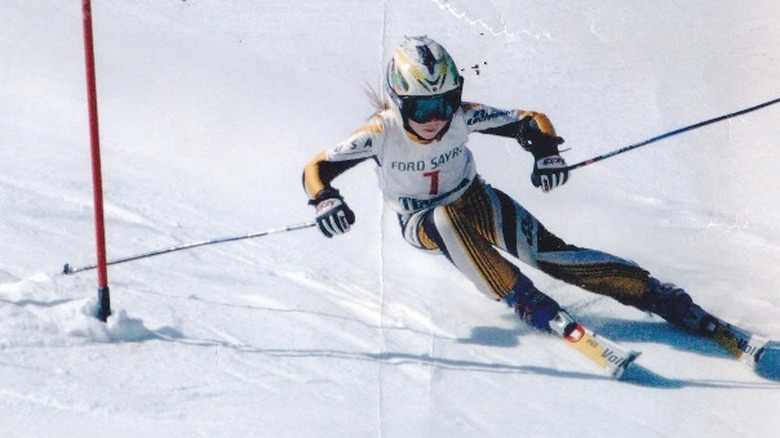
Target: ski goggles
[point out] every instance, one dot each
(423, 109)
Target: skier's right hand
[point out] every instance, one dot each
(333, 214)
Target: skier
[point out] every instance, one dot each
(428, 176)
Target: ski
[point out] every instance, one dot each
(756, 352)
(607, 354)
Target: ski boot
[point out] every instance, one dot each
(676, 306)
(538, 310)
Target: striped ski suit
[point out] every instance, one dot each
(444, 205)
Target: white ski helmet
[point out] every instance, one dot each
(423, 80)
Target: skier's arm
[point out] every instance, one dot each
(527, 127)
(332, 213)
(535, 133)
(319, 173)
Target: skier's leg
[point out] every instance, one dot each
(524, 237)
(458, 230)
(444, 230)
(596, 271)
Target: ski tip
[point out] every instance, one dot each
(620, 371)
(768, 365)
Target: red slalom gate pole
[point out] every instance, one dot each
(104, 301)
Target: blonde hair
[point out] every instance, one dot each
(377, 99)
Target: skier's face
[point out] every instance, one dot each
(428, 130)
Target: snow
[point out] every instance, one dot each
(209, 110)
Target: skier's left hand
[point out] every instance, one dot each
(540, 142)
(550, 172)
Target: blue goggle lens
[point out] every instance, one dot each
(427, 108)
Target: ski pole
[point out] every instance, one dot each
(672, 133)
(67, 269)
